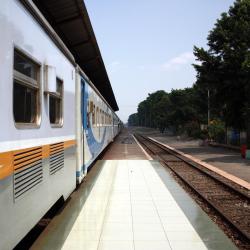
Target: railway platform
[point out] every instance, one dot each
(128, 201)
(125, 147)
(223, 159)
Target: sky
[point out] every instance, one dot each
(148, 45)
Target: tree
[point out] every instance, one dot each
(160, 110)
(133, 120)
(225, 66)
(182, 108)
(151, 112)
(168, 110)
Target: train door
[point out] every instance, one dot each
(84, 124)
(80, 121)
(79, 129)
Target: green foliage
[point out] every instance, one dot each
(152, 111)
(224, 68)
(193, 130)
(168, 110)
(183, 108)
(133, 120)
(216, 130)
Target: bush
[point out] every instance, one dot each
(193, 129)
(216, 130)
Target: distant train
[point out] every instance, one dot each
(54, 122)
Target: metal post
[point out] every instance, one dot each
(248, 127)
(150, 125)
(208, 107)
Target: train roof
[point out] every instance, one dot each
(70, 20)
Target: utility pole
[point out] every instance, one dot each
(150, 116)
(248, 126)
(208, 107)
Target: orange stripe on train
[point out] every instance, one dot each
(68, 144)
(12, 160)
(6, 164)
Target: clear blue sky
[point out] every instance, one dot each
(147, 45)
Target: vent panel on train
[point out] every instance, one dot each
(28, 171)
(56, 157)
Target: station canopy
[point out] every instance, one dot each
(70, 20)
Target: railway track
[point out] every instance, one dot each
(230, 201)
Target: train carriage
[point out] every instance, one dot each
(54, 122)
(96, 127)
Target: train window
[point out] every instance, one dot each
(26, 94)
(102, 117)
(101, 112)
(55, 105)
(93, 115)
(97, 116)
(88, 115)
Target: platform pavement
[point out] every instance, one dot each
(132, 205)
(125, 147)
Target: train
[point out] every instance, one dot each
(54, 121)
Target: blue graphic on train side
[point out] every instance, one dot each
(94, 146)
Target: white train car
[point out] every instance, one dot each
(95, 124)
(54, 122)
